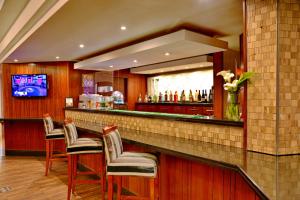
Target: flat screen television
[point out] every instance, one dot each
(29, 85)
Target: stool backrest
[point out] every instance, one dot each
(113, 143)
(70, 132)
(48, 123)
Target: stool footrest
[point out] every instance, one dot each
(59, 155)
(123, 197)
(87, 173)
(78, 182)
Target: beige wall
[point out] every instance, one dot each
(274, 95)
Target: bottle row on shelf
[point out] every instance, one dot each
(197, 96)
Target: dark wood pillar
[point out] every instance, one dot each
(218, 85)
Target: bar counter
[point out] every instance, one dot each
(271, 177)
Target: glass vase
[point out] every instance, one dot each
(232, 110)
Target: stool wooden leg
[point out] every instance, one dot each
(51, 144)
(156, 185)
(103, 176)
(110, 188)
(70, 172)
(47, 157)
(119, 187)
(151, 188)
(74, 171)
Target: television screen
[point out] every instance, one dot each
(29, 85)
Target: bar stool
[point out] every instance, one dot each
(77, 146)
(120, 163)
(52, 135)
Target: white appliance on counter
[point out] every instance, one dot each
(95, 101)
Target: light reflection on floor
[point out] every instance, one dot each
(1, 141)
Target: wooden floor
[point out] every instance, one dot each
(25, 178)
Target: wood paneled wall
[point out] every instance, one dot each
(182, 179)
(63, 82)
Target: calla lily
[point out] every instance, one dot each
(223, 73)
(228, 77)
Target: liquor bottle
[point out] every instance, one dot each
(202, 97)
(196, 96)
(199, 96)
(191, 98)
(149, 99)
(175, 97)
(210, 96)
(160, 97)
(205, 95)
(182, 96)
(166, 96)
(154, 99)
(140, 98)
(146, 98)
(171, 96)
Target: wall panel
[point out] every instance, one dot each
(63, 82)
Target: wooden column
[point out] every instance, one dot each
(218, 85)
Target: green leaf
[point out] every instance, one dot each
(244, 77)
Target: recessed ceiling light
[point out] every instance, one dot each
(111, 66)
(16, 60)
(123, 28)
(81, 45)
(167, 54)
(135, 61)
(57, 57)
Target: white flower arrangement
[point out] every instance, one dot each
(236, 84)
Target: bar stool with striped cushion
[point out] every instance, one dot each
(121, 163)
(51, 136)
(78, 146)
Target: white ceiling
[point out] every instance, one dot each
(96, 23)
(175, 65)
(180, 44)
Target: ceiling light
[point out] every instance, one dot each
(57, 57)
(167, 54)
(111, 66)
(81, 45)
(123, 28)
(135, 61)
(16, 60)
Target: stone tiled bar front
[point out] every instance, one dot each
(193, 127)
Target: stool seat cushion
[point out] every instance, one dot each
(138, 154)
(85, 145)
(133, 164)
(56, 134)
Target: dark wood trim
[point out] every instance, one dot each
(24, 153)
(177, 104)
